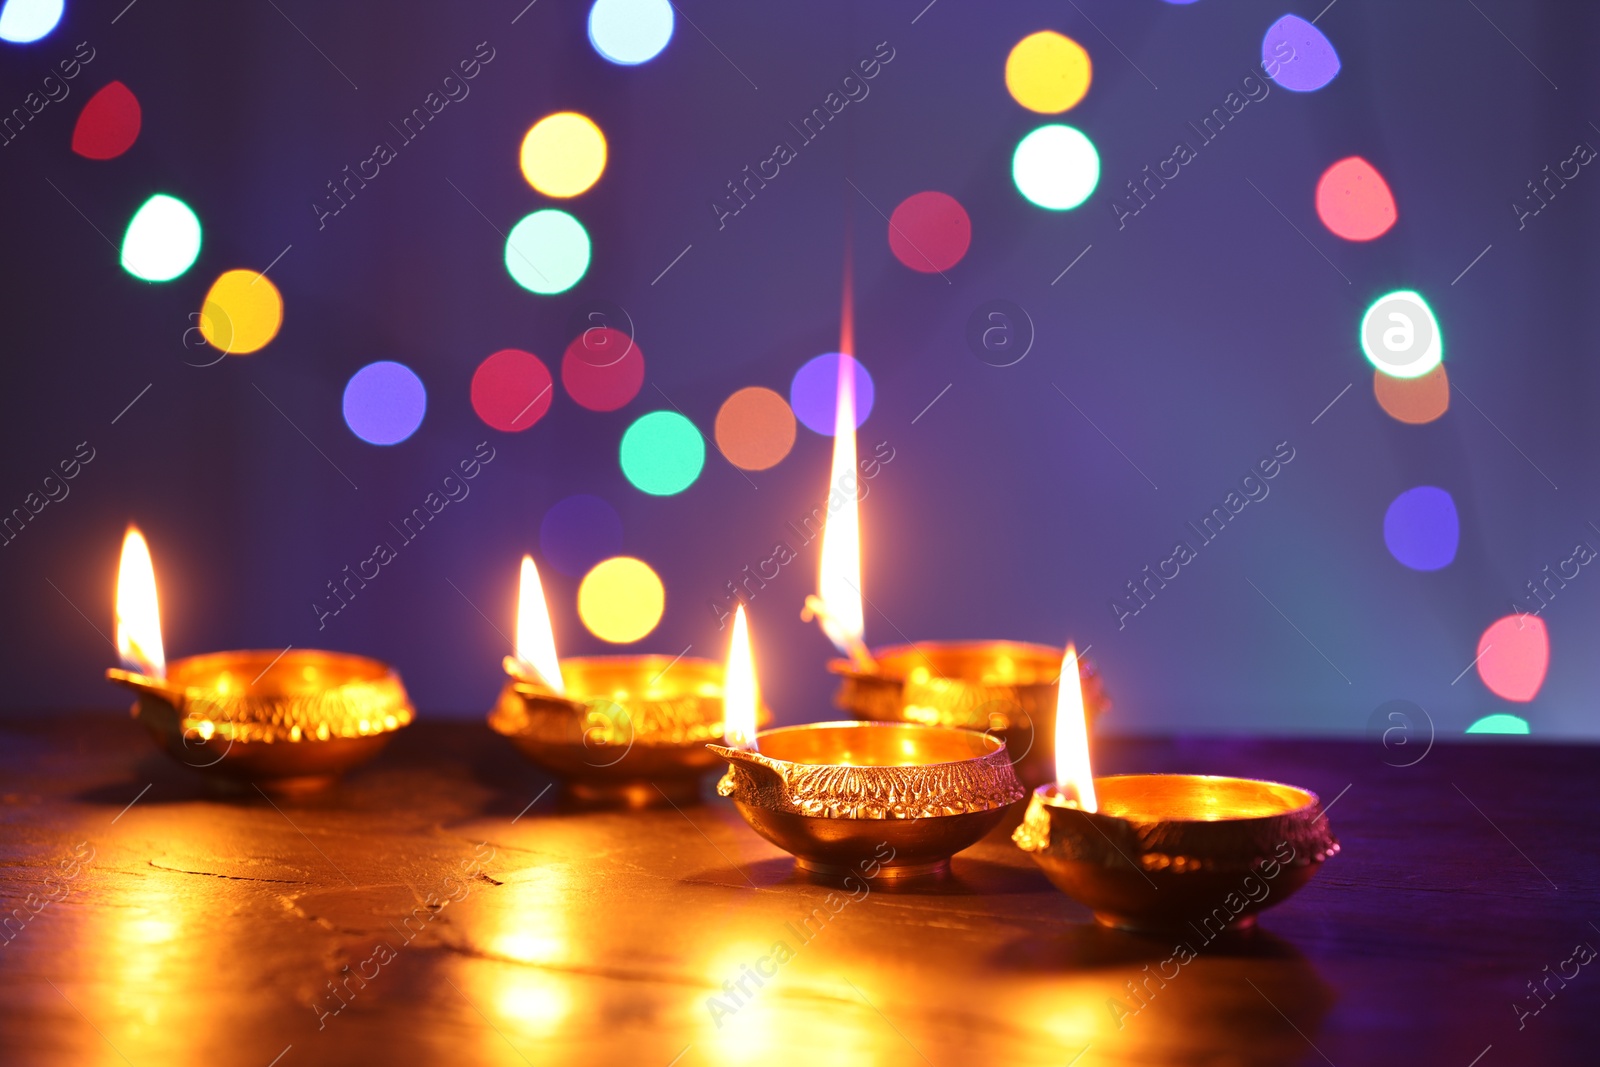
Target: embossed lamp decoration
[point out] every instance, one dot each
(617, 730)
(893, 801)
(1006, 687)
(1165, 852)
(289, 722)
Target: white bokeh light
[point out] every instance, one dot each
(1056, 167)
(630, 32)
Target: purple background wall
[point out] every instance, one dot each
(1197, 337)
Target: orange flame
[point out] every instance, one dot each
(837, 603)
(536, 640)
(741, 693)
(1074, 777)
(838, 600)
(138, 611)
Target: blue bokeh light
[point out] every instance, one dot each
(814, 393)
(1422, 528)
(384, 402)
(1297, 56)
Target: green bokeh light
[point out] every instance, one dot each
(547, 252)
(1499, 724)
(662, 453)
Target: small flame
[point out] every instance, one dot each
(1074, 778)
(536, 640)
(741, 694)
(138, 612)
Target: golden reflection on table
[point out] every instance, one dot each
(210, 932)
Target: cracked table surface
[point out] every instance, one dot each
(442, 905)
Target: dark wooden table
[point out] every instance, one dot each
(151, 923)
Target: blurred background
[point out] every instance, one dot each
(1153, 344)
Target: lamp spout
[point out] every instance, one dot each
(145, 685)
(749, 773)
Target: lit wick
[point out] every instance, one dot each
(741, 693)
(852, 644)
(837, 603)
(138, 611)
(535, 661)
(1074, 777)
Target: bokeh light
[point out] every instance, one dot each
(630, 32)
(1500, 723)
(26, 21)
(1422, 528)
(579, 532)
(1413, 400)
(1513, 655)
(755, 428)
(563, 154)
(662, 453)
(602, 368)
(929, 232)
(1056, 167)
(242, 312)
(1354, 202)
(547, 252)
(1047, 72)
(384, 402)
(162, 240)
(511, 390)
(1303, 58)
(621, 600)
(108, 124)
(1400, 336)
(814, 393)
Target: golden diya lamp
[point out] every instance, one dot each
(616, 730)
(1004, 687)
(884, 801)
(290, 721)
(1168, 852)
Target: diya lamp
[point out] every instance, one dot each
(1168, 852)
(1004, 687)
(1009, 688)
(890, 802)
(289, 721)
(616, 730)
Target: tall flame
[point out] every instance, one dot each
(837, 602)
(741, 694)
(1074, 777)
(839, 577)
(536, 640)
(138, 612)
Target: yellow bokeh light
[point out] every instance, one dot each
(621, 600)
(241, 313)
(563, 154)
(1047, 72)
